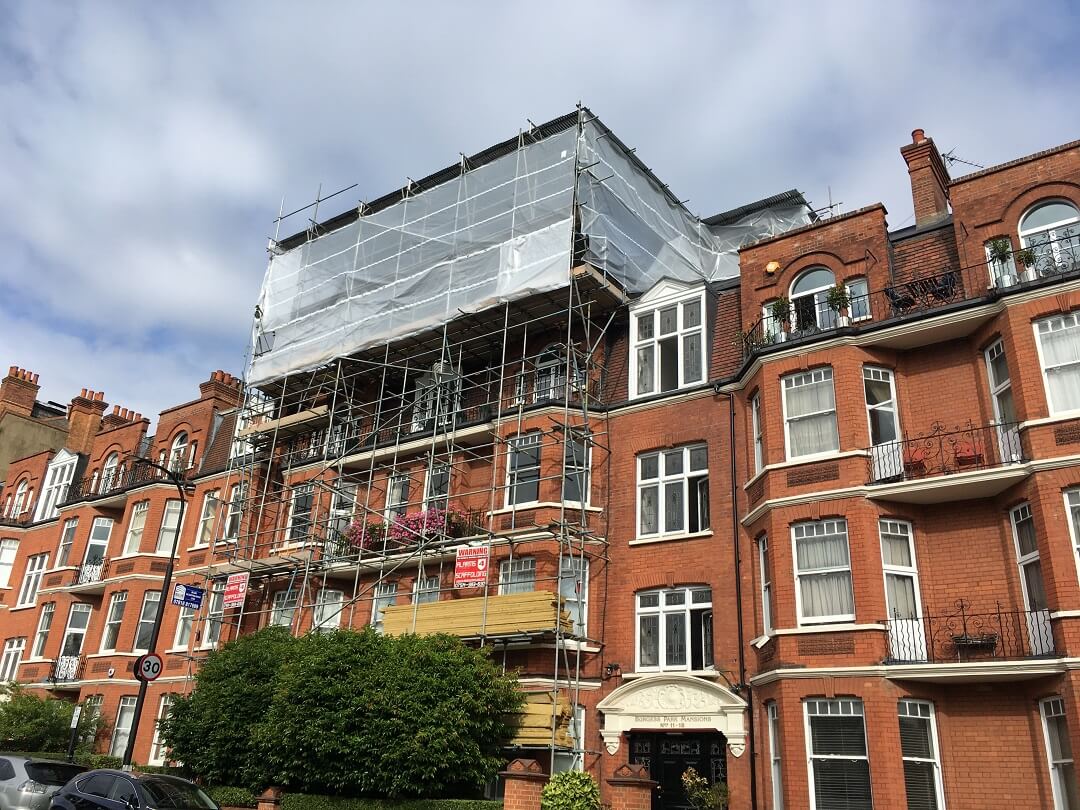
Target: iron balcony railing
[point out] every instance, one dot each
(945, 452)
(90, 572)
(963, 635)
(67, 668)
(125, 476)
(810, 316)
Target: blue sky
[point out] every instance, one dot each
(145, 148)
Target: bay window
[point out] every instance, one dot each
(283, 608)
(327, 614)
(1059, 754)
(170, 525)
(668, 350)
(919, 750)
(1059, 356)
(673, 491)
(523, 470)
(136, 525)
(810, 413)
(41, 638)
(35, 567)
(301, 509)
(517, 575)
(145, 629)
(823, 572)
(674, 629)
(836, 746)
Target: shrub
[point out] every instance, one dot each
(702, 795)
(301, 801)
(233, 796)
(570, 790)
(30, 722)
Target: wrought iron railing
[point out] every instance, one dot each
(945, 452)
(963, 635)
(90, 572)
(67, 668)
(125, 476)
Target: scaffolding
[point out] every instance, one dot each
(431, 371)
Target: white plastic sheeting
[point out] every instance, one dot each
(498, 233)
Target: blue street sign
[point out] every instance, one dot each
(188, 596)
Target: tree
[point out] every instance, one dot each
(29, 722)
(367, 714)
(210, 730)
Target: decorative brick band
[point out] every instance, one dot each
(814, 474)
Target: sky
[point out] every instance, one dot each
(146, 148)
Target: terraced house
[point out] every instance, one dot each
(785, 498)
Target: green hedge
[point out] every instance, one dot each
(302, 801)
(89, 760)
(233, 796)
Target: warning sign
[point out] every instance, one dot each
(236, 590)
(471, 567)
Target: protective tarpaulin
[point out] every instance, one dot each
(496, 233)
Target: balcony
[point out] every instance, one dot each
(89, 578)
(111, 488)
(967, 640)
(516, 616)
(374, 539)
(948, 465)
(67, 671)
(913, 305)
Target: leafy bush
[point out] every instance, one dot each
(301, 801)
(81, 758)
(570, 790)
(33, 723)
(703, 795)
(363, 714)
(210, 730)
(233, 796)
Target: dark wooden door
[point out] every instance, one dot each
(669, 755)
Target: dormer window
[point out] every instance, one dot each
(178, 452)
(57, 481)
(109, 478)
(667, 338)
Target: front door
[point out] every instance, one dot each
(669, 755)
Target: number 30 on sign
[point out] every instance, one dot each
(148, 667)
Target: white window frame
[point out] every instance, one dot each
(1072, 509)
(759, 436)
(136, 526)
(426, 587)
(12, 657)
(573, 760)
(100, 534)
(814, 375)
(384, 595)
(19, 505)
(178, 452)
(117, 600)
(897, 528)
(1024, 558)
(109, 478)
(121, 734)
(31, 582)
(326, 614)
(853, 296)
(398, 485)
(67, 540)
(151, 601)
(999, 389)
(158, 749)
(1070, 320)
(824, 707)
(575, 570)
(696, 476)
(1055, 707)
(283, 607)
(80, 608)
(819, 296)
(514, 473)
(871, 373)
(204, 531)
(637, 344)
(234, 515)
(185, 622)
(549, 375)
(433, 500)
(571, 468)
(837, 618)
(766, 585)
(215, 616)
(662, 610)
(998, 269)
(9, 550)
(165, 531)
(299, 528)
(517, 575)
(58, 478)
(924, 710)
(1051, 229)
(776, 773)
(44, 626)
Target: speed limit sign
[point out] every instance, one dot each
(148, 667)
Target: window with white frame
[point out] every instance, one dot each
(67, 539)
(1059, 754)
(125, 715)
(385, 595)
(301, 509)
(574, 592)
(178, 453)
(575, 487)
(283, 608)
(147, 615)
(919, 750)
(41, 637)
(92, 705)
(1002, 268)
(327, 613)
(136, 525)
(109, 473)
(810, 413)
(9, 547)
(859, 299)
(1072, 504)
(674, 629)
(766, 584)
(1051, 229)
(215, 616)
(20, 502)
(523, 470)
(668, 347)
(673, 491)
(550, 375)
(836, 747)
(35, 567)
(759, 440)
(823, 572)
(437, 486)
(775, 772)
(113, 619)
(57, 481)
(1001, 395)
(342, 507)
(96, 546)
(397, 496)
(210, 505)
(426, 589)
(1059, 356)
(1027, 555)
(184, 623)
(810, 308)
(9, 664)
(75, 632)
(158, 749)
(170, 525)
(573, 760)
(517, 575)
(234, 515)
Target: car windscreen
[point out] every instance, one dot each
(52, 773)
(166, 794)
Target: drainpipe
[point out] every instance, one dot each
(751, 748)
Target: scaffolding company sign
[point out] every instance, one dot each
(236, 590)
(471, 567)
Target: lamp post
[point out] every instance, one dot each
(184, 488)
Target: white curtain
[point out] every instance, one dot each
(822, 551)
(1064, 384)
(896, 550)
(811, 413)
(826, 594)
(900, 596)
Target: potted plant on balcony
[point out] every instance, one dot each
(1027, 258)
(1001, 267)
(780, 311)
(839, 302)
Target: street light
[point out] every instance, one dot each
(184, 488)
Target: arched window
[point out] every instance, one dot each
(1052, 230)
(550, 374)
(178, 453)
(19, 505)
(809, 300)
(109, 476)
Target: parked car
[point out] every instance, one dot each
(116, 790)
(29, 784)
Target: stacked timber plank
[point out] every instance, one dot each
(509, 615)
(534, 721)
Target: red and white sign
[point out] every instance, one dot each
(148, 667)
(471, 567)
(236, 590)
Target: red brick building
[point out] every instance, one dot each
(789, 500)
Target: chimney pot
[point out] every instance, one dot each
(83, 393)
(12, 370)
(116, 410)
(918, 136)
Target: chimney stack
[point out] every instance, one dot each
(221, 385)
(84, 420)
(929, 179)
(18, 391)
